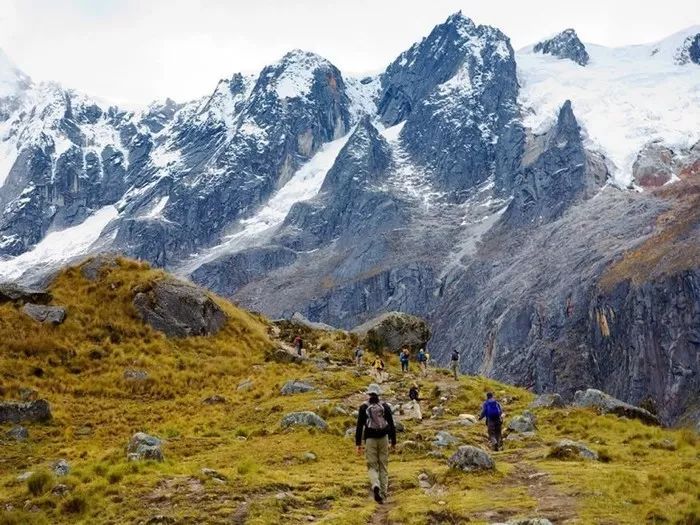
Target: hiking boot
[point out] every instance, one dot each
(377, 495)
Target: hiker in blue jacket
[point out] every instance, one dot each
(491, 410)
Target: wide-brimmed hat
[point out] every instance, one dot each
(374, 389)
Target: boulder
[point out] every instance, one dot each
(61, 467)
(142, 447)
(411, 410)
(438, 411)
(134, 374)
(13, 293)
(54, 315)
(280, 355)
(35, 411)
(296, 387)
(567, 449)
(444, 439)
(607, 404)
(522, 423)
(469, 459)
(303, 419)
(394, 331)
(18, 433)
(179, 309)
(92, 268)
(548, 401)
(309, 456)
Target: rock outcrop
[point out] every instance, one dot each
(143, 447)
(33, 411)
(470, 459)
(567, 449)
(607, 404)
(565, 45)
(13, 293)
(296, 387)
(303, 419)
(179, 309)
(393, 331)
(54, 315)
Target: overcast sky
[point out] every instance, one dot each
(135, 51)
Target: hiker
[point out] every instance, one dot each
(378, 369)
(423, 360)
(298, 344)
(414, 396)
(454, 363)
(491, 410)
(359, 352)
(404, 357)
(375, 425)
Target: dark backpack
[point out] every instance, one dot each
(455, 355)
(492, 409)
(376, 419)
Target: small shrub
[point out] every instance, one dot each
(39, 482)
(604, 455)
(76, 504)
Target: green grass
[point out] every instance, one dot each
(649, 473)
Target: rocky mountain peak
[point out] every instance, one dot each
(12, 79)
(293, 76)
(565, 45)
(689, 51)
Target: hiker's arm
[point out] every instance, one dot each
(361, 419)
(483, 412)
(392, 427)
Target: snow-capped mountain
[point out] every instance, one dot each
(489, 190)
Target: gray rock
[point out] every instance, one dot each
(179, 309)
(471, 459)
(143, 447)
(296, 387)
(60, 490)
(54, 315)
(93, 267)
(34, 411)
(526, 521)
(61, 468)
(607, 404)
(24, 476)
(245, 385)
(444, 439)
(18, 433)
(654, 166)
(133, 374)
(548, 401)
(523, 423)
(309, 456)
(394, 331)
(438, 411)
(565, 45)
(28, 394)
(14, 293)
(305, 419)
(567, 449)
(213, 474)
(216, 399)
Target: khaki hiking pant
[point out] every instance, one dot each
(377, 454)
(454, 366)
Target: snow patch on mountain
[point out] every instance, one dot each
(363, 95)
(12, 79)
(297, 74)
(59, 247)
(624, 98)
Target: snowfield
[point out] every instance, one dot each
(624, 98)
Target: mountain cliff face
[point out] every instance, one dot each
(502, 195)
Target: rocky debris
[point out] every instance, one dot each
(393, 331)
(567, 449)
(179, 309)
(35, 411)
(60, 490)
(548, 401)
(161, 519)
(296, 387)
(424, 481)
(54, 315)
(134, 374)
(304, 419)
(469, 459)
(18, 433)
(564, 45)
(444, 439)
(216, 399)
(526, 521)
(654, 166)
(308, 457)
(524, 423)
(14, 293)
(437, 411)
(92, 268)
(144, 447)
(245, 385)
(61, 467)
(607, 404)
(214, 475)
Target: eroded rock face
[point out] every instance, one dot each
(179, 309)
(394, 331)
(36, 411)
(607, 404)
(54, 315)
(565, 45)
(13, 293)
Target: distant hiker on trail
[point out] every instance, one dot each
(423, 360)
(414, 396)
(454, 363)
(359, 352)
(491, 410)
(378, 369)
(404, 358)
(299, 344)
(375, 425)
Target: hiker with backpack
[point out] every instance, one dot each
(423, 360)
(404, 358)
(491, 410)
(299, 345)
(414, 397)
(359, 352)
(454, 363)
(375, 427)
(378, 369)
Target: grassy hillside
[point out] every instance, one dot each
(647, 474)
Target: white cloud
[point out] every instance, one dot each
(136, 51)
